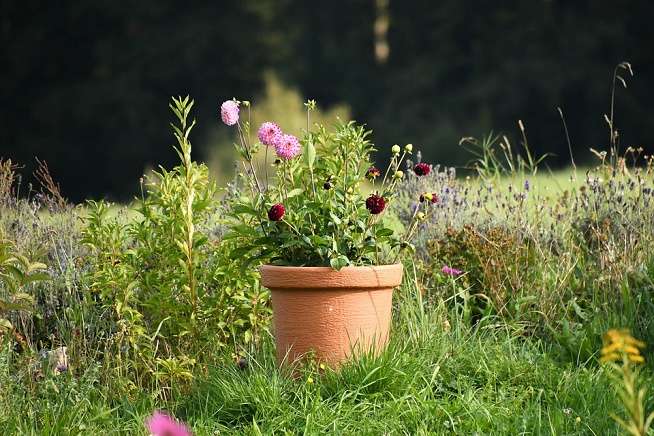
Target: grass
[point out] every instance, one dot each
(511, 347)
(437, 376)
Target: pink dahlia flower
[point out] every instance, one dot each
(229, 112)
(451, 271)
(269, 133)
(160, 424)
(287, 147)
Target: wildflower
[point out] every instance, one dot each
(269, 133)
(619, 344)
(426, 196)
(408, 148)
(310, 380)
(398, 174)
(229, 112)
(422, 169)
(276, 212)
(395, 149)
(160, 424)
(526, 185)
(373, 173)
(451, 271)
(375, 204)
(434, 198)
(287, 147)
(420, 216)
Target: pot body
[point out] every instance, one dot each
(330, 315)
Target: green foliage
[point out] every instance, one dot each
(326, 221)
(168, 285)
(16, 272)
(431, 380)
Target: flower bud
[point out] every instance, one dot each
(420, 216)
(408, 148)
(398, 174)
(426, 196)
(395, 149)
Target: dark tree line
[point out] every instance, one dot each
(85, 85)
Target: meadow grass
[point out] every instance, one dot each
(438, 376)
(509, 347)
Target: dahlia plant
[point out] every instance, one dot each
(321, 202)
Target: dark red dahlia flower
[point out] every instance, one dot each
(434, 198)
(422, 169)
(373, 173)
(375, 204)
(276, 212)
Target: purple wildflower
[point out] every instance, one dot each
(453, 272)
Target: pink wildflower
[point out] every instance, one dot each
(287, 147)
(451, 271)
(160, 424)
(269, 133)
(229, 112)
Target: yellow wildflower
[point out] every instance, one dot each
(618, 344)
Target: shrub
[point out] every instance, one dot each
(168, 285)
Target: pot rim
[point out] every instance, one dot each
(325, 277)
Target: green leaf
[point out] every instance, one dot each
(294, 192)
(244, 209)
(384, 232)
(339, 262)
(310, 154)
(241, 251)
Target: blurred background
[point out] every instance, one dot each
(85, 85)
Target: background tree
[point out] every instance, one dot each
(85, 85)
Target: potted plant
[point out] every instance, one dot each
(314, 219)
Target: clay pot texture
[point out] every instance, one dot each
(330, 315)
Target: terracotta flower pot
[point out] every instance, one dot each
(331, 314)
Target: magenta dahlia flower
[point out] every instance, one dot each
(229, 112)
(276, 212)
(422, 169)
(160, 424)
(453, 272)
(375, 204)
(287, 147)
(269, 133)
